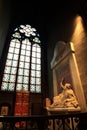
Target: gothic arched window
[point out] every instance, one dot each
(23, 64)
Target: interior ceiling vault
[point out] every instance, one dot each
(41, 14)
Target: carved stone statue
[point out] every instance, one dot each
(66, 98)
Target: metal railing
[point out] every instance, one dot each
(67, 121)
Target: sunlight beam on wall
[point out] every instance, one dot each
(79, 32)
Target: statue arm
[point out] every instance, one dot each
(61, 83)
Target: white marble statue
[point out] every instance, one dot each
(66, 98)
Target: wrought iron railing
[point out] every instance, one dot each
(67, 121)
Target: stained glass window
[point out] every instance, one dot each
(23, 64)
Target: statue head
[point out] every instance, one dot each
(67, 85)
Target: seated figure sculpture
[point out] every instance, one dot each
(66, 98)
